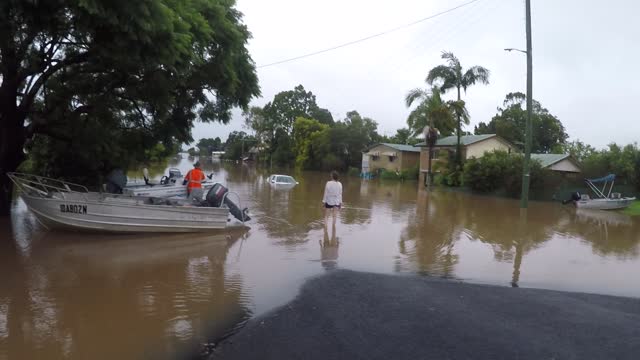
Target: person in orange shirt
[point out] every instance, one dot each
(194, 178)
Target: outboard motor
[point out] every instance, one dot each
(174, 175)
(575, 196)
(215, 198)
(116, 181)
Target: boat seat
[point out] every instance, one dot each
(584, 197)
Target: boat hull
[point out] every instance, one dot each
(162, 190)
(604, 204)
(122, 214)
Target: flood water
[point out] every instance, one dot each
(91, 296)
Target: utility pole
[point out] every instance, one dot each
(526, 176)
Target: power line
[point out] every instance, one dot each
(368, 37)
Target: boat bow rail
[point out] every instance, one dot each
(44, 187)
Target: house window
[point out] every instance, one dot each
(392, 158)
(434, 154)
(375, 158)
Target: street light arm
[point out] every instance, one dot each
(514, 49)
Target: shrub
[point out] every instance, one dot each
(353, 171)
(500, 171)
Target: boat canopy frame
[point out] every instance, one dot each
(607, 181)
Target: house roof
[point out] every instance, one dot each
(399, 147)
(464, 140)
(549, 159)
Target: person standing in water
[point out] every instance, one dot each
(332, 198)
(194, 178)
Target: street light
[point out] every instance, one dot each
(526, 177)
(514, 49)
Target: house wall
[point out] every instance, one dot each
(565, 165)
(404, 160)
(478, 149)
(409, 159)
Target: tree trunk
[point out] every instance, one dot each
(11, 156)
(459, 134)
(12, 138)
(429, 175)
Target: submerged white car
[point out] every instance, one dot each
(282, 180)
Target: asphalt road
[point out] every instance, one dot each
(351, 315)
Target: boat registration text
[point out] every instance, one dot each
(76, 209)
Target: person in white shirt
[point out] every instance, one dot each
(332, 198)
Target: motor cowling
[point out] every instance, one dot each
(116, 181)
(216, 196)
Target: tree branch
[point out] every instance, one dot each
(27, 100)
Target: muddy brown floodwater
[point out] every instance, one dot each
(91, 296)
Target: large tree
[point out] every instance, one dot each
(275, 120)
(110, 77)
(453, 76)
(351, 136)
(509, 123)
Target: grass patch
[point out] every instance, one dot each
(633, 209)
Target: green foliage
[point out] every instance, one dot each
(237, 142)
(431, 110)
(633, 209)
(402, 136)
(500, 170)
(306, 136)
(157, 153)
(579, 150)
(622, 161)
(452, 76)
(282, 153)
(192, 152)
(410, 174)
(353, 171)
(104, 82)
(273, 124)
(351, 136)
(207, 145)
(510, 123)
(282, 111)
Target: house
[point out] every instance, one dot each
(252, 154)
(564, 163)
(390, 157)
(472, 146)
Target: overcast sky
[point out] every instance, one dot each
(585, 56)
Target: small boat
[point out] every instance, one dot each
(61, 204)
(169, 186)
(605, 198)
(284, 181)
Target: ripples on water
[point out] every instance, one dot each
(72, 295)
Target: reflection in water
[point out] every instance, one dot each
(68, 295)
(143, 296)
(445, 221)
(329, 248)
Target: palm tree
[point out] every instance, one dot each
(452, 76)
(431, 110)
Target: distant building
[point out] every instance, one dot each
(390, 157)
(471, 145)
(253, 153)
(217, 154)
(477, 145)
(564, 163)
